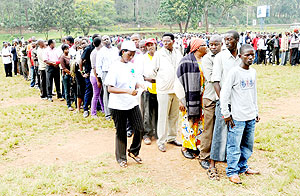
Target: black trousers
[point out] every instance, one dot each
(43, 83)
(262, 56)
(150, 110)
(275, 54)
(8, 69)
(120, 119)
(15, 67)
(53, 73)
(20, 67)
(294, 57)
(37, 75)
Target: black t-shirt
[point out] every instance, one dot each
(86, 56)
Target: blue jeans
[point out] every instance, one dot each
(88, 95)
(218, 144)
(32, 76)
(240, 142)
(66, 79)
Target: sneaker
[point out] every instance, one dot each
(108, 118)
(70, 109)
(147, 141)
(50, 99)
(85, 114)
(61, 99)
(162, 148)
(44, 98)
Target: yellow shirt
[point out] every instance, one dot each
(153, 89)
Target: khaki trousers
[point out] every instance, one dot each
(168, 113)
(207, 134)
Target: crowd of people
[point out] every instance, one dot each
(200, 84)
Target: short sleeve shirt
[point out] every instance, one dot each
(121, 75)
(86, 56)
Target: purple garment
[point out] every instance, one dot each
(96, 97)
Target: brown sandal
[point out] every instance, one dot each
(213, 174)
(136, 158)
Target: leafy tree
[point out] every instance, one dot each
(43, 16)
(94, 13)
(65, 15)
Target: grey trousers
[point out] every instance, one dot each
(107, 111)
(25, 68)
(218, 145)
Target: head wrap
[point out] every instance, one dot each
(295, 30)
(196, 43)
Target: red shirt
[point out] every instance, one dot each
(254, 42)
(30, 57)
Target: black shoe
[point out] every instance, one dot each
(176, 143)
(204, 164)
(187, 154)
(129, 133)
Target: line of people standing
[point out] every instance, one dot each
(146, 90)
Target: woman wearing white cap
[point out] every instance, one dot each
(122, 85)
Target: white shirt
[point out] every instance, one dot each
(93, 61)
(223, 62)
(105, 58)
(121, 75)
(240, 91)
(6, 51)
(42, 64)
(262, 44)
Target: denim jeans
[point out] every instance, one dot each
(240, 142)
(88, 95)
(67, 87)
(218, 144)
(32, 76)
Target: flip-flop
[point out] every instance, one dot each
(123, 164)
(136, 158)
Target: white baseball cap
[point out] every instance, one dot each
(128, 45)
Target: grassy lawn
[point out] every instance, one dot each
(26, 121)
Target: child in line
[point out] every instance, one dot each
(239, 108)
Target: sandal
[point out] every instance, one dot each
(136, 158)
(213, 174)
(123, 164)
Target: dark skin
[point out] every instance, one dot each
(168, 43)
(247, 56)
(231, 44)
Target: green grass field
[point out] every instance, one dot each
(30, 129)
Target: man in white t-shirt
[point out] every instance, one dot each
(6, 59)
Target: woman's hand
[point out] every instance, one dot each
(132, 92)
(98, 84)
(181, 107)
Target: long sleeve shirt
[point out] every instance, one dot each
(240, 91)
(165, 64)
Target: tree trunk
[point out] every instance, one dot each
(171, 29)
(187, 22)
(180, 27)
(26, 15)
(206, 18)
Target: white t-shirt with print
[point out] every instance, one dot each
(123, 76)
(240, 91)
